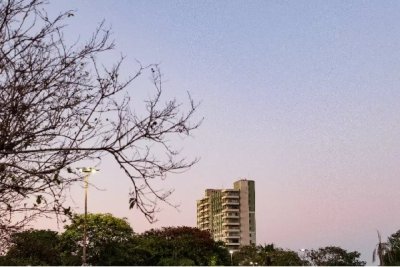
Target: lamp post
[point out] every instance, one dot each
(231, 252)
(87, 171)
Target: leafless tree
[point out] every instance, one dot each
(59, 106)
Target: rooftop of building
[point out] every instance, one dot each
(210, 191)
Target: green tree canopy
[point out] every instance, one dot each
(183, 246)
(334, 256)
(246, 255)
(33, 247)
(110, 240)
(282, 257)
(392, 257)
(267, 255)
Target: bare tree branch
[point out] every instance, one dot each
(59, 107)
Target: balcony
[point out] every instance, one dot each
(230, 216)
(230, 208)
(231, 231)
(203, 204)
(230, 223)
(202, 216)
(231, 202)
(203, 210)
(230, 196)
(227, 238)
(230, 190)
(230, 243)
(203, 222)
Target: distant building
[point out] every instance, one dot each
(229, 214)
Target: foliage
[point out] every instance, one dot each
(245, 255)
(110, 241)
(176, 262)
(388, 252)
(59, 105)
(334, 256)
(281, 257)
(394, 257)
(267, 255)
(33, 247)
(382, 251)
(183, 246)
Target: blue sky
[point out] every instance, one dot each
(301, 96)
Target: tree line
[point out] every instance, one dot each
(112, 241)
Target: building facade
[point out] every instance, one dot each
(229, 214)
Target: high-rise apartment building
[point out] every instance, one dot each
(229, 214)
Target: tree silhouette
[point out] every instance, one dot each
(382, 250)
(33, 247)
(59, 106)
(110, 241)
(334, 256)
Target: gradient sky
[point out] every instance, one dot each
(301, 96)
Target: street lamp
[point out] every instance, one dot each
(231, 252)
(87, 171)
